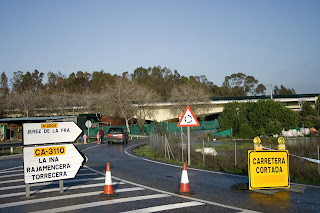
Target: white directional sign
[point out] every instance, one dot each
(188, 119)
(48, 163)
(56, 132)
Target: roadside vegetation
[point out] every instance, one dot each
(100, 91)
(301, 171)
(7, 151)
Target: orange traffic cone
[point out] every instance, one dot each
(184, 183)
(98, 138)
(108, 187)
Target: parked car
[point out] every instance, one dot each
(117, 134)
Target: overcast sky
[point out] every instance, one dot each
(276, 41)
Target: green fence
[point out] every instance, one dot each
(225, 133)
(150, 128)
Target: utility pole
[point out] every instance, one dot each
(271, 91)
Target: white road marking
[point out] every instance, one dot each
(11, 171)
(50, 199)
(102, 203)
(14, 175)
(172, 194)
(166, 207)
(12, 168)
(11, 181)
(18, 180)
(87, 174)
(92, 147)
(48, 183)
(56, 189)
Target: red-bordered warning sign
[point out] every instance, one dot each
(188, 119)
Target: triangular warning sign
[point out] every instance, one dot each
(188, 119)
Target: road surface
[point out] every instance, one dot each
(141, 185)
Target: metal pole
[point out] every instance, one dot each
(235, 153)
(189, 160)
(318, 159)
(203, 157)
(61, 186)
(182, 145)
(165, 148)
(27, 190)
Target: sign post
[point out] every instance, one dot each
(88, 125)
(188, 120)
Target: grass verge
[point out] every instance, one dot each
(301, 171)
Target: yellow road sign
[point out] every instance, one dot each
(268, 169)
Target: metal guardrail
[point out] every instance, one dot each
(10, 145)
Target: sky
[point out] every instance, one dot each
(277, 42)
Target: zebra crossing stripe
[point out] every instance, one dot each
(102, 203)
(56, 189)
(166, 207)
(11, 171)
(18, 180)
(48, 183)
(14, 175)
(50, 199)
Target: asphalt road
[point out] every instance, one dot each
(142, 185)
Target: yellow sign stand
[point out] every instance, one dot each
(268, 169)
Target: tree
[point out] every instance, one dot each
(122, 99)
(317, 107)
(77, 82)
(240, 84)
(189, 95)
(16, 81)
(37, 80)
(4, 88)
(265, 117)
(309, 116)
(283, 91)
(55, 83)
(99, 80)
(29, 81)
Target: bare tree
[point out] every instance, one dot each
(189, 95)
(123, 100)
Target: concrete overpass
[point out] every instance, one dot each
(163, 111)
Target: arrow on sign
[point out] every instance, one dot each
(42, 133)
(48, 163)
(188, 119)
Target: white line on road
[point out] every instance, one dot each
(181, 196)
(48, 183)
(166, 207)
(50, 199)
(103, 203)
(14, 175)
(12, 168)
(57, 189)
(18, 180)
(11, 171)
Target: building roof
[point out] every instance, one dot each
(33, 119)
